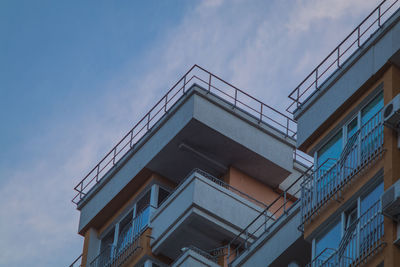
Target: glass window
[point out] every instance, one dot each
(162, 195)
(351, 128)
(372, 108)
(329, 240)
(125, 232)
(332, 149)
(351, 217)
(143, 202)
(106, 246)
(371, 198)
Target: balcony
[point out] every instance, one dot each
(206, 211)
(360, 241)
(331, 178)
(129, 242)
(192, 256)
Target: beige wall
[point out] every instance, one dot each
(255, 189)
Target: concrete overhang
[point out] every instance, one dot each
(202, 131)
(356, 72)
(203, 214)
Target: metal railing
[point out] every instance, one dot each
(129, 241)
(361, 240)
(329, 179)
(352, 43)
(77, 262)
(274, 212)
(218, 182)
(213, 255)
(325, 259)
(212, 84)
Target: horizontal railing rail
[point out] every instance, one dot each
(218, 182)
(361, 240)
(77, 262)
(331, 177)
(271, 215)
(128, 242)
(212, 84)
(325, 258)
(333, 62)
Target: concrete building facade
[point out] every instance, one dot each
(212, 176)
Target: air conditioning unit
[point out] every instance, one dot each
(391, 202)
(391, 113)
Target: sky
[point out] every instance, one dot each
(75, 76)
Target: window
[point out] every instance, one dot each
(106, 247)
(352, 128)
(162, 195)
(331, 239)
(362, 223)
(371, 108)
(332, 149)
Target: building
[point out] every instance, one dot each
(341, 119)
(205, 162)
(211, 176)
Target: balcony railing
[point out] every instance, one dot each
(276, 210)
(329, 179)
(212, 84)
(77, 262)
(333, 62)
(129, 241)
(361, 240)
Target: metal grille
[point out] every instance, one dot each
(329, 180)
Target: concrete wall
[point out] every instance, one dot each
(344, 83)
(256, 189)
(192, 259)
(225, 208)
(271, 245)
(210, 111)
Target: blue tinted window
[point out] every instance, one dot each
(371, 198)
(330, 240)
(372, 108)
(332, 149)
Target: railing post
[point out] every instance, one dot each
(235, 98)
(166, 103)
(316, 79)
(115, 153)
(131, 139)
(338, 56)
(358, 37)
(209, 83)
(148, 120)
(261, 111)
(184, 84)
(379, 16)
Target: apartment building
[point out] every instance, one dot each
(185, 183)
(346, 120)
(211, 176)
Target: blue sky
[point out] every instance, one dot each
(76, 75)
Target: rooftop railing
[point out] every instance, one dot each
(332, 176)
(212, 84)
(333, 62)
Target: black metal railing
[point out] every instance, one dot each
(332, 176)
(362, 239)
(129, 241)
(271, 215)
(212, 84)
(77, 262)
(333, 62)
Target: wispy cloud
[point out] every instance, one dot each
(265, 47)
